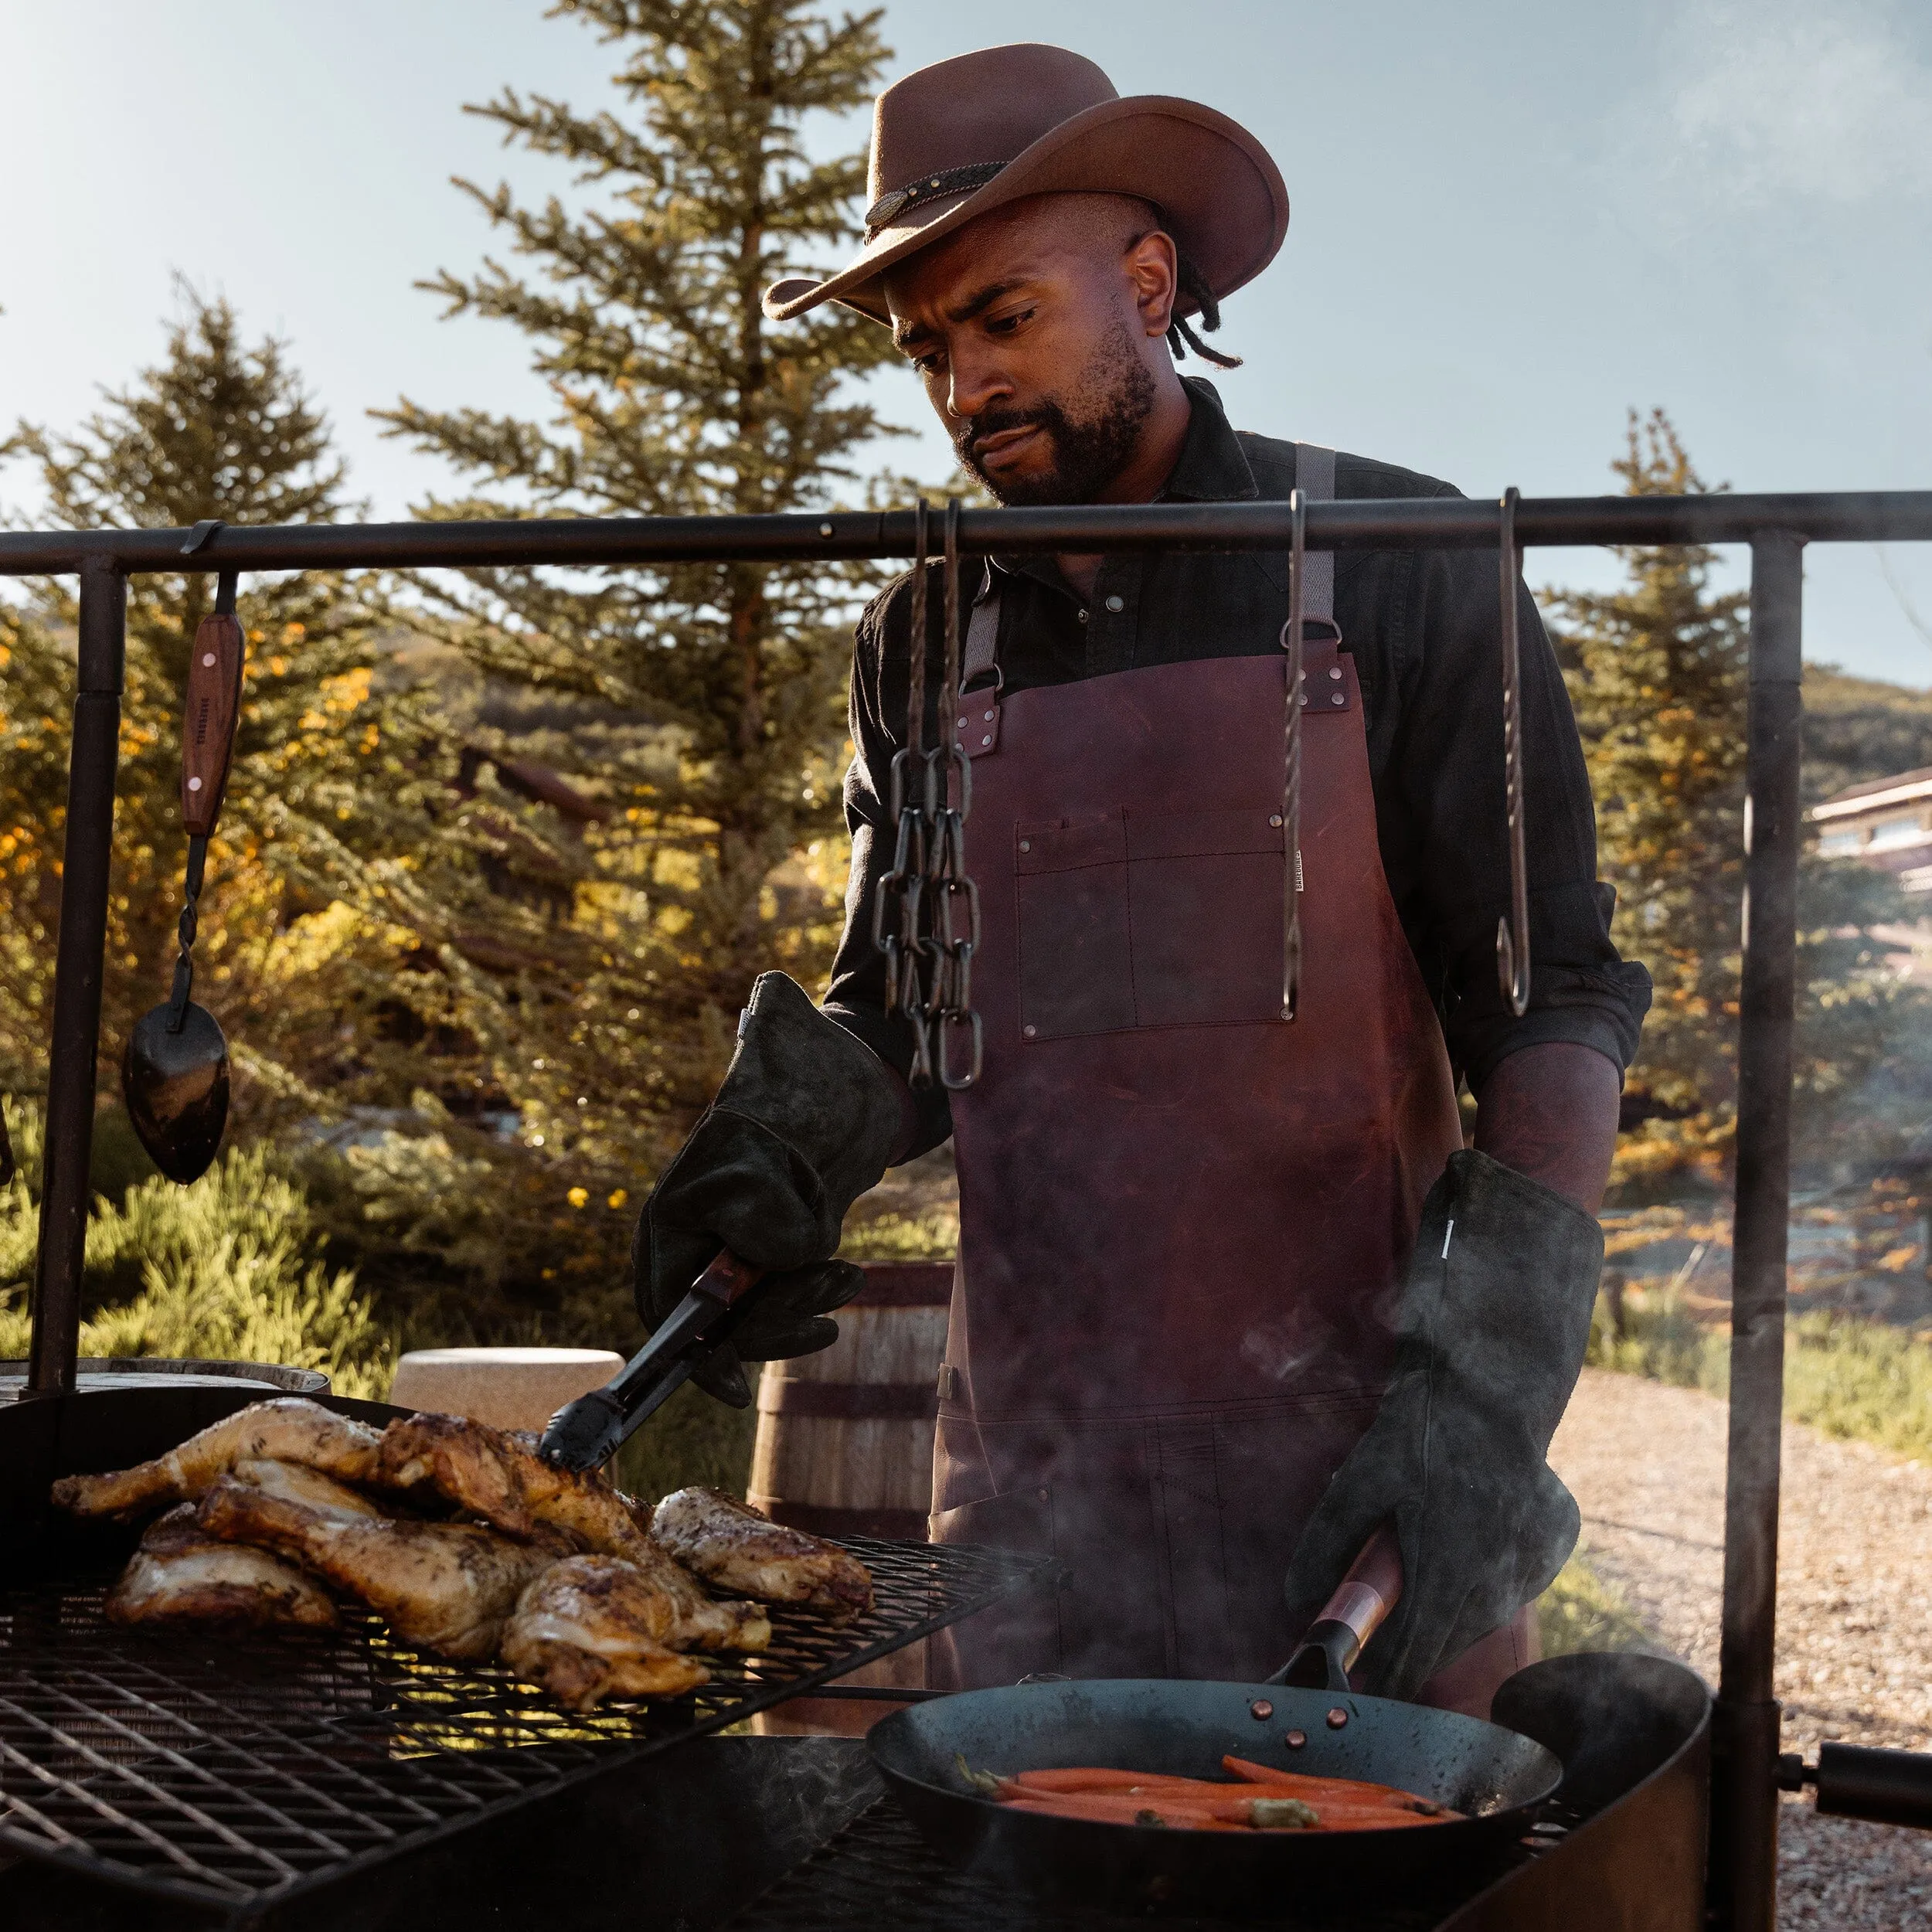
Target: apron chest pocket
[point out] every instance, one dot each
(1133, 919)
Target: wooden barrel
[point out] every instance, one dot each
(844, 1446)
(845, 1441)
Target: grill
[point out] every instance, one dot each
(240, 1773)
(878, 1871)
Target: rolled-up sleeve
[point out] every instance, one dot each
(1447, 781)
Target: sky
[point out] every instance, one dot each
(1512, 223)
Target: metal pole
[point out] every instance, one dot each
(78, 969)
(1743, 1870)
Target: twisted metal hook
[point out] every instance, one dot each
(1512, 934)
(1291, 773)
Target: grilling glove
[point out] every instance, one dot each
(1490, 1331)
(806, 1121)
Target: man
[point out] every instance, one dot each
(1198, 1350)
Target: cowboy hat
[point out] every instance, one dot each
(954, 141)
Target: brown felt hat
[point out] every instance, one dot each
(953, 141)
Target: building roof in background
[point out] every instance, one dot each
(1906, 788)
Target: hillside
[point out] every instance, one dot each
(1857, 729)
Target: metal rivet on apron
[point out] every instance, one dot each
(962, 724)
(1117, 604)
(1305, 698)
(986, 740)
(1337, 1717)
(1026, 844)
(1336, 698)
(1041, 1494)
(1334, 671)
(989, 717)
(1274, 818)
(1260, 1710)
(1029, 1031)
(1295, 1740)
(1083, 616)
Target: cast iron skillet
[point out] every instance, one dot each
(1186, 1727)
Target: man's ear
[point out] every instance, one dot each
(1153, 268)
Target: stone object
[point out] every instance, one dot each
(510, 1388)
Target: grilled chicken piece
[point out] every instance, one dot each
(585, 1629)
(180, 1574)
(289, 1429)
(729, 1543)
(497, 1474)
(445, 1587)
(692, 1619)
(295, 1484)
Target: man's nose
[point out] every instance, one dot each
(975, 381)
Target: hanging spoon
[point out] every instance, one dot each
(174, 1073)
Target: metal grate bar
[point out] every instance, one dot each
(242, 1772)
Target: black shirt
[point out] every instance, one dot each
(1423, 627)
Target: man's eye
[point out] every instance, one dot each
(1005, 325)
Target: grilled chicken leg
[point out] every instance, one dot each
(290, 1429)
(445, 1587)
(582, 1631)
(730, 1544)
(180, 1574)
(496, 1473)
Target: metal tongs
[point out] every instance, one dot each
(588, 1433)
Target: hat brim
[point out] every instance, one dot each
(1219, 188)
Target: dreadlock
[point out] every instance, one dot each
(1181, 337)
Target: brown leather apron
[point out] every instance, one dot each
(1183, 1221)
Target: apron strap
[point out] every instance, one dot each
(1315, 477)
(982, 653)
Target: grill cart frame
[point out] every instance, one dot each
(1777, 527)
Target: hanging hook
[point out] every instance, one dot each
(1512, 934)
(1291, 773)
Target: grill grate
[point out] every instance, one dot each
(878, 1871)
(237, 1771)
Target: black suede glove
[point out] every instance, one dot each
(805, 1121)
(1493, 1322)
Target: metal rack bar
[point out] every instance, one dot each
(1746, 1721)
(1427, 523)
(78, 965)
(1776, 526)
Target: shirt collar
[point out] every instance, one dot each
(1211, 468)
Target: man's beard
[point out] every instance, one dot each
(1092, 434)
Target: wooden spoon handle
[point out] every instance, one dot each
(207, 728)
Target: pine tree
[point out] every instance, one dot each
(704, 703)
(331, 886)
(1658, 674)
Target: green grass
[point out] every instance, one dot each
(1856, 1380)
(230, 1269)
(1580, 1611)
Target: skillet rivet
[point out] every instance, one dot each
(1295, 1740)
(1260, 1710)
(1337, 1717)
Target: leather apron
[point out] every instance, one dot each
(1184, 1221)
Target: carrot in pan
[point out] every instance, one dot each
(1261, 1798)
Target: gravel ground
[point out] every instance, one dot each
(1646, 1463)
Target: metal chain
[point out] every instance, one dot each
(926, 916)
(185, 936)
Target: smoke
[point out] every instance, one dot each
(1789, 100)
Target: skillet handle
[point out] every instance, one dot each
(1363, 1600)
